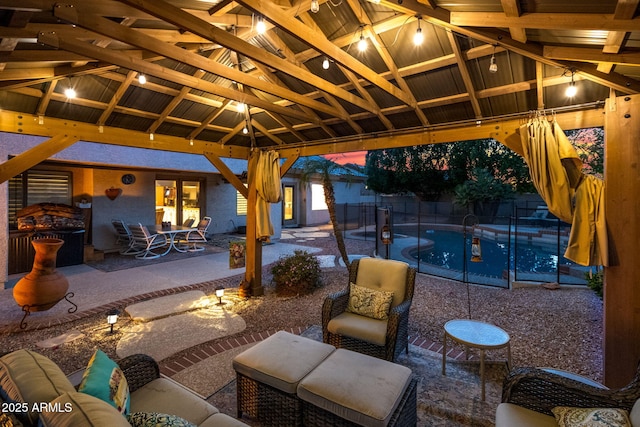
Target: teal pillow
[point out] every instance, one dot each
(154, 419)
(105, 380)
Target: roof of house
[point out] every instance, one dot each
(210, 73)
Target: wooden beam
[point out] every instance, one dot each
(227, 173)
(34, 156)
(464, 72)
(545, 21)
(182, 19)
(511, 8)
(284, 168)
(591, 55)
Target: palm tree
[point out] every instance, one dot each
(316, 165)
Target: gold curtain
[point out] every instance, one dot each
(268, 187)
(572, 196)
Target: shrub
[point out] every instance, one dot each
(594, 281)
(296, 274)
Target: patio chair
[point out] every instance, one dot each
(144, 242)
(192, 238)
(530, 394)
(124, 238)
(380, 328)
(188, 222)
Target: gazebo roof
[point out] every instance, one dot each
(211, 73)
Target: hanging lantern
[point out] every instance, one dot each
(476, 250)
(385, 234)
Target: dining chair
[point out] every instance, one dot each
(199, 235)
(144, 242)
(124, 238)
(188, 222)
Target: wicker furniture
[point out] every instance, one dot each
(384, 339)
(268, 375)
(529, 395)
(353, 389)
(480, 335)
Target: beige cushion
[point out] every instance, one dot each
(360, 327)
(634, 416)
(369, 302)
(510, 415)
(222, 420)
(167, 396)
(282, 360)
(356, 387)
(591, 417)
(384, 275)
(80, 409)
(26, 376)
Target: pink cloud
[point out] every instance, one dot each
(355, 157)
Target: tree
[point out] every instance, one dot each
(324, 168)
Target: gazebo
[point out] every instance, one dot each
(226, 79)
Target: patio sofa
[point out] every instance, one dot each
(541, 397)
(33, 389)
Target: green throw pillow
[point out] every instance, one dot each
(369, 302)
(591, 417)
(105, 380)
(154, 419)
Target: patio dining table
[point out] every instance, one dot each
(171, 232)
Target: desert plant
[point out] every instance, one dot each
(296, 274)
(594, 281)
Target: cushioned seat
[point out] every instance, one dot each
(371, 315)
(269, 372)
(358, 388)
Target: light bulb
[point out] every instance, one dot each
(245, 130)
(325, 63)
(315, 6)
(362, 44)
(70, 93)
(240, 107)
(261, 27)
(493, 67)
(418, 37)
(142, 79)
(572, 90)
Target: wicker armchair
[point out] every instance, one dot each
(139, 369)
(540, 391)
(358, 333)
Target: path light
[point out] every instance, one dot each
(112, 318)
(220, 294)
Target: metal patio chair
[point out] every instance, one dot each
(124, 238)
(144, 242)
(198, 236)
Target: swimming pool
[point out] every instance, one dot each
(447, 252)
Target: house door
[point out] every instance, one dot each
(178, 200)
(288, 207)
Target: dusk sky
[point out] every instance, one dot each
(356, 157)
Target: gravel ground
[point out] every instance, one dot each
(556, 328)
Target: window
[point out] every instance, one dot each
(241, 203)
(37, 186)
(317, 198)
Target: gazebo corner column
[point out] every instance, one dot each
(253, 261)
(621, 289)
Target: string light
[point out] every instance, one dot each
(362, 43)
(261, 27)
(240, 107)
(493, 67)
(315, 6)
(572, 90)
(325, 63)
(418, 37)
(245, 130)
(142, 79)
(70, 93)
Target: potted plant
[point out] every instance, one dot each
(296, 274)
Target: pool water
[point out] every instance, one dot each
(448, 250)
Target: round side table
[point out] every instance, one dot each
(475, 334)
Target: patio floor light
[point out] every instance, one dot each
(112, 318)
(220, 294)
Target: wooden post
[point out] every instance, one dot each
(621, 288)
(253, 261)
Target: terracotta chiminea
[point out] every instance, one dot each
(113, 192)
(43, 287)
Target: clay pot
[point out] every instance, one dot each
(112, 193)
(43, 287)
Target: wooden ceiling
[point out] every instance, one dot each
(211, 76)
